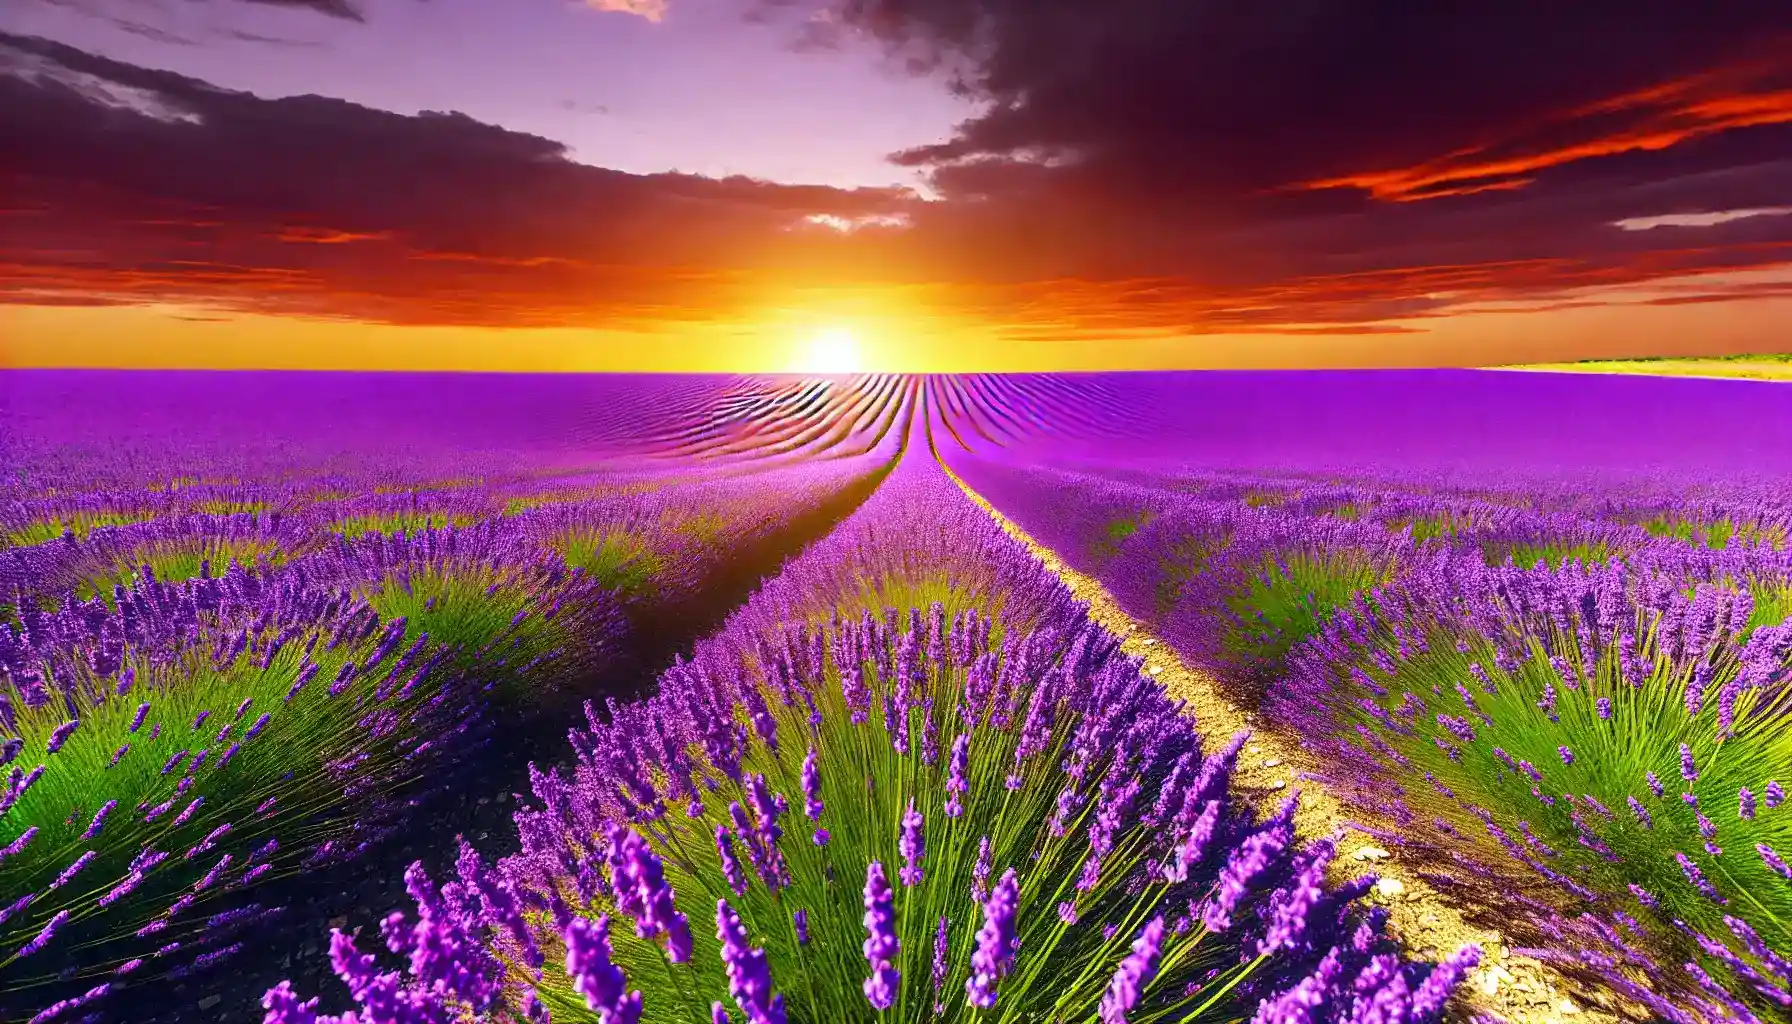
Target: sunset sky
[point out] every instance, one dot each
(890, 184)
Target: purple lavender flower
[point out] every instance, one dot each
(1773, 795)
(1655, 785)
(68, 873)
(99, 819)
(1134, 973)
(1250, 861)
(881, 947)
(1567, 755)
(955, 781)
(1745, 804)
(18, 845)
(980, 872)
(939, 955)
(61, 735)
(639, 883)
(1688, 770)
(996, 943)
(800, 919)
(749, 975)
(1604, 706)
(1299, 1005)
(1772, 859)
(1428, 1001)
(913, 847)
(43, 937)
(812, 806)
(1294, 905)
(593, 974)
(1200, 836)
(1642, 813)
(1698, 879)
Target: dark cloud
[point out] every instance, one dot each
(142, 182)
(1195, 165)
(1235, 142)
(343, 9)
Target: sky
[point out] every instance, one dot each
(909, 185)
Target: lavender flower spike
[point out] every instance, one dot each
(913, 846)
(881, 947)
(749, 976)
(955, 781)
(594, 976)
(812, 805)
(1434, 991)
(1135, 972)
(43, 937)
(995, 942)
(642, 893)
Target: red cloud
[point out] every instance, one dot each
(1745, 95)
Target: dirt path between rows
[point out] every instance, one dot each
(1515, 988)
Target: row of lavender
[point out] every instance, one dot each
(909, 779)
(1586, 687)
(201, 702)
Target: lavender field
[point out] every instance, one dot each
(1290, 698)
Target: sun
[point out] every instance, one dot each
(831, 350)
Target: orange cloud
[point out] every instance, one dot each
(326, 236)
(1664, 115)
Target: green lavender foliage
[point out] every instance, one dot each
(396, 522)
(78, 522)
(306, 759)
(175, 559)
(1289, 598)
(620, 559)
(1549, 701)
(866, 785)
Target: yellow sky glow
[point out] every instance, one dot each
(854, 334)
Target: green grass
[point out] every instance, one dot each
(1116, 531)
(78, 523)
(225, 507)
(1424, 528)
(1287, 600)
(1554, 554)
(620, 560)
(1717, 534)
(172, 561)
(397, 522)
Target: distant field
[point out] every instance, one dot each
(1748, 367)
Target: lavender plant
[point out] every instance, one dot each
(167, 753)
(1598, 730)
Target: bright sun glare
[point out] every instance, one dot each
(831, 350)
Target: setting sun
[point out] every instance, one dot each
(831, 350)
